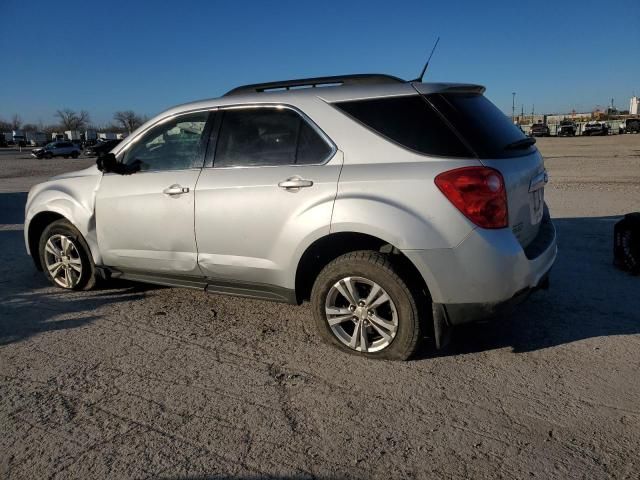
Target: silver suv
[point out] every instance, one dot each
(399, 209)
(57, 149)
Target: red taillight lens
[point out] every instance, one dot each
(478, 192)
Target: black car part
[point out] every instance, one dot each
(626, 243)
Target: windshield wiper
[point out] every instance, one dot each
(521, 144)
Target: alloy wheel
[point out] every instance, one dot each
(62, 260)
(361, 314)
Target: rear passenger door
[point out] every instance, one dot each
(268, 190)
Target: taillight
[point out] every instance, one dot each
(478, 192)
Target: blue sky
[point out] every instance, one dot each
(146, 56)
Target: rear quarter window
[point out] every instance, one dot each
(409, 121)
(485, 128)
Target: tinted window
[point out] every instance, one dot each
(312, 148)
(409, 121)
(268, 137)
(174, 145)
(483, 126)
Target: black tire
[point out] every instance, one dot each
(66, 156)
(48, 155)
(87, 278)
(74, 155)
(377, 268)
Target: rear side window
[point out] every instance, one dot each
(486, 129)
(268, 137)
(408, 121)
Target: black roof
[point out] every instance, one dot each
(358, 79)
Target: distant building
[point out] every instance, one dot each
(634, 106)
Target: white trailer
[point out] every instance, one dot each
(55, 136)
(36, 138)
(18, 136)
(72, 135)
(107, 136)
(90, 136)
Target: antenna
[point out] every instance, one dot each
(426, 65)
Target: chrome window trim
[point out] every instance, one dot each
(162, 120)
(304, 116)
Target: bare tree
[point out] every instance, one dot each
(16, 121)
(30, 127)
(71, 120)
(5, 126)
(128, 119)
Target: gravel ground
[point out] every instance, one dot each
(135, 381)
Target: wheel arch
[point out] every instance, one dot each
(329, 247)
(34, 231)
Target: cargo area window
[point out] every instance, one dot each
(485, 128)
(408, 121)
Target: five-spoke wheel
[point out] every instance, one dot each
(361, 304)
(361, 314)
(62, 260)
(65, 256)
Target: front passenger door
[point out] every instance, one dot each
(144, 221)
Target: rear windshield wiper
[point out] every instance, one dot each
(521, 144)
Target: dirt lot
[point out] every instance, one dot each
(144, 382)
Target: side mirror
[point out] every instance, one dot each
(107, 163)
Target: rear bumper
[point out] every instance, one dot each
(460, 313)
(488, 272)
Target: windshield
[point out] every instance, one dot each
(50, 145)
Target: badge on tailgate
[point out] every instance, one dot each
(536, 196)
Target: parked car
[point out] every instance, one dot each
(567, 128)
(57, 149)
(595, 128)
(632, 125)
(101, 147)
(399, 209)
(540, 130)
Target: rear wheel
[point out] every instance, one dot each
(65, 257)
(362, 306)
(74, 155)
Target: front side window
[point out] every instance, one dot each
(172, 145)
(268, 137)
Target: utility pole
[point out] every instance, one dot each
(513, 107)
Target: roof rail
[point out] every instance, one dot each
(358, 79)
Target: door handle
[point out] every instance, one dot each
(175, 190)
(295, 182)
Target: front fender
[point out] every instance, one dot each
(74, 199)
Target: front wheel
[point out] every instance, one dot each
(65, 257)
(362, 306)
(74, 155)
(48, 155)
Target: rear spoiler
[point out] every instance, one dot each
(427, 88)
